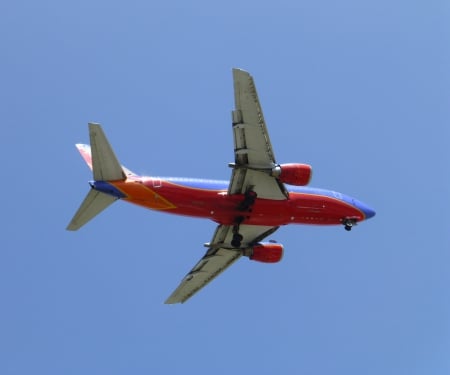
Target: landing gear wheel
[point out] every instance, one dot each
(237, 239)
(348, 224)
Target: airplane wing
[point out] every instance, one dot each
(254, 156)
(254, 161)
(220, 256)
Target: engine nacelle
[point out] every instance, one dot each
(293, 174)
(266, 252)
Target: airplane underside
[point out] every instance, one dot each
(260, 196)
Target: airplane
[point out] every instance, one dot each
(261, 195)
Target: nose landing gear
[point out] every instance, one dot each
(348, 224)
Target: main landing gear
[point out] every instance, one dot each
(237, 237)
(348, 224)
(248, 202)
(237, 240)
(245, 206)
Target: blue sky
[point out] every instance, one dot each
(358, 89)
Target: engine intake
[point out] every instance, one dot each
(266, 252)
(293, 174)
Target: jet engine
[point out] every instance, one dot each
(265, 252)
(293, 174)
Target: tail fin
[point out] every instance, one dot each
(105, 165)
(101, 159)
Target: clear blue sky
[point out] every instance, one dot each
(358, 89)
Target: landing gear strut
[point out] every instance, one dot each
(248, 202)
(237, 237)
(245, 206)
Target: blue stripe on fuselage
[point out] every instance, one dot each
(107, 188)
(368, 211)
(198, 183)
(318, 191)
(327, 193)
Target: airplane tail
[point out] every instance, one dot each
(100, 157)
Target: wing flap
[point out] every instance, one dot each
(250, 131)
(261, 183)
(253, 152)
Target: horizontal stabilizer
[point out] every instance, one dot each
(94, 203)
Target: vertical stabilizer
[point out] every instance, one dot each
(105, 165)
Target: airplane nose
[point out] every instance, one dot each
(368, 212)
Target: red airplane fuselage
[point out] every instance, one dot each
(209, 199)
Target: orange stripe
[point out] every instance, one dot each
(142, 195)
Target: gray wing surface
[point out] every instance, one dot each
(254, 156)
(254, 160)
(218, 258)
